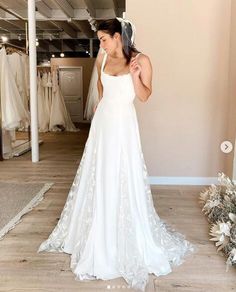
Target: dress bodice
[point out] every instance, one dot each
(119, 89)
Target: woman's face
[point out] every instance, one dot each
(107, 42)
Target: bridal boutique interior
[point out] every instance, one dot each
(187, 128)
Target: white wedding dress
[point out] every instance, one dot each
(109, 224)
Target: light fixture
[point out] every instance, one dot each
(62, 55)
(37, 43)
(53, 56)
(19, 37)
(4, 38)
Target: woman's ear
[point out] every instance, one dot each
(116, 35)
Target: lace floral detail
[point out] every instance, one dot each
(172, 243)
(85, 222)
(130, 262)
(56, 240)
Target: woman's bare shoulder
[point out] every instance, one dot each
(142, 56)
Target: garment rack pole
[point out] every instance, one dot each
(11, 45)
(33, 81)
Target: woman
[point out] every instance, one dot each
(109, 224)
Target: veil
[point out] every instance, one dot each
(92, 97)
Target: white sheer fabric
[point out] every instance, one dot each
(109, 224)
(92, 97)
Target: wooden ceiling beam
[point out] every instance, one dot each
(43, 9)
(115, 7)
(65, 6)
(66, 28)
(83, 26)
(18, 23)
(90, 8)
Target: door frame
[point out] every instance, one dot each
(81, 79)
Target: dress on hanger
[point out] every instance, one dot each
(42, 122)
(46, 88)
(109, 224)
(13, 112)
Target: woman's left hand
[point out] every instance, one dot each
(135, 68)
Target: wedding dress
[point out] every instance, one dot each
(109, 224)
(42, 107)
(13, 112)
(46, 89)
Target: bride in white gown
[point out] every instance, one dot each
(109, 224)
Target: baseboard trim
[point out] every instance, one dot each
(185, 180)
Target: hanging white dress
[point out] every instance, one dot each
(25, 59)
(92, 97)
(44, 82)
(14, 113)
(59, 115)
(42, 122)
(109, 224)
(49, 85)
(18, 69)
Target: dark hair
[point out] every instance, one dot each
(111, 26)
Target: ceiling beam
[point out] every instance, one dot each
(18, 23)
(102, 14)
(115, 7)
(47, 25)
(65, 7)
(90, 8)
(83, 26)
(43, 9)
(7, 26)
(66, 28)
(20, 14)
(2, 13)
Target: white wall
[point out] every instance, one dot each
(186, 118)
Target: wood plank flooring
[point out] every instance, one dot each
(23, 269)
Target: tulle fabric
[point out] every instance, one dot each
(92, 97)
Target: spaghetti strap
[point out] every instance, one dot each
(138, 54)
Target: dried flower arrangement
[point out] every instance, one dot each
(219, 205)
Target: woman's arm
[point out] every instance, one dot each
(141, 72)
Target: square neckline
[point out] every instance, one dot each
(104, 62)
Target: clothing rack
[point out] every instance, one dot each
(43, 68)
(6, 44)
(17, 49)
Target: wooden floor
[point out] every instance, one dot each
(23, 269)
